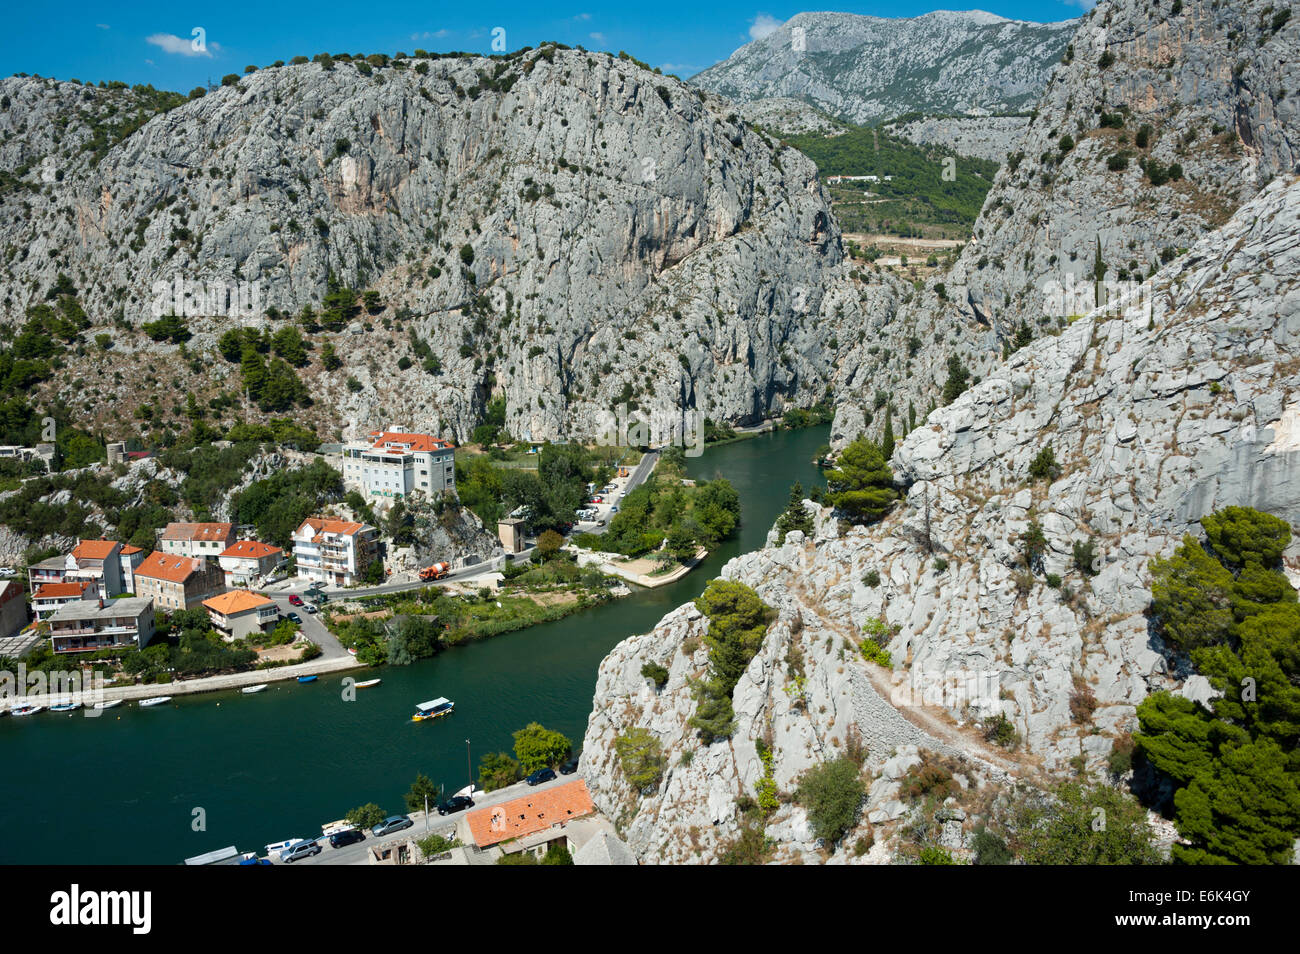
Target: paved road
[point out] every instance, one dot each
(438, 825)
(312, 627)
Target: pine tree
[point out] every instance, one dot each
(887, 442)
(795, 516)
(862, 485)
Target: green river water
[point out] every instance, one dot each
(122, 788)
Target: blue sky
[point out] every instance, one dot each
(152, 42)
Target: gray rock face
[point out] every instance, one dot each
(789, 117)
(983, 137)
(1214, 85)
(564, 228)
(861, 69)
(1214, 102)
(1156, 416)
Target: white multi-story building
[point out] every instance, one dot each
(394, 464)
(334, 551)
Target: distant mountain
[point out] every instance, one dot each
(862, 69)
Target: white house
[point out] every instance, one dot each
(334, 551)
(248, 563)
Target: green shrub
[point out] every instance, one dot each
(832, 795)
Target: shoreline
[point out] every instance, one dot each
(234, 680)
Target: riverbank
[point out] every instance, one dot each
(639, 571)
(276, 764)
(234, 680)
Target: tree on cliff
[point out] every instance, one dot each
(862, 485)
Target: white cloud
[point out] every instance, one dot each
(431, 35)
(181, 46)
(763, 26)
(679, 69)
(1082, 4)
(102, 26)
(583, 16)
(598, 37)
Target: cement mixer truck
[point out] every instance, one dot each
(435, 572)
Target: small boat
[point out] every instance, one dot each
(352, 652)
(433, 709)
(369, 683)
(306, 678)
(249, 690)
(27, 710)
(66, 707)
(108, 705)
(155, 701)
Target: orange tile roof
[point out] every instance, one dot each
(128, 550)
(325, 525)
(50, 591)
(423, 443)
(254, 549)
(236, 601)
(93, 549)
(530, 814)
(197, 531)
(168, 566)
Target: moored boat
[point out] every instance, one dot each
(249, 690)
(108, 705)
(306, 678)
(66, 707)
(27, 710)
(433, 709)
(155, 701)
(369, 683)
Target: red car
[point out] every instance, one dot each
(295, 600)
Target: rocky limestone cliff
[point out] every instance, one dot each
(1156, 416)
(565, 228)
(1215, 85)
(863, 69)
(1210, 85)
(982, 137)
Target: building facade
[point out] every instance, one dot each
(50, 596)
(395, 464)
(247, 563)
(177, 582)
(13, 608)
(131, 558)
(96, 561)
(240, 613)
(88, 625)
(334, 551)
(196, 539)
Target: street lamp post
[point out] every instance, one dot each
(469, 771)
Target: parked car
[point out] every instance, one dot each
(295, 600)
(457, 803)
(391, 824)
(569, 767)
(7, 571)
(294, 618)
(614, 509)
(310, 607)
(341, 839)
(304, 849)
(540, 776)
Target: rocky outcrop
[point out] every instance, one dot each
(983, 137)
(1211, 87)
(789, 117)
(1203, 90)
(564, 228)
(1158, 410)
(863, 69)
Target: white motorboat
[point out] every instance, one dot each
(249, 690)
(155, 701)
(108, 705)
